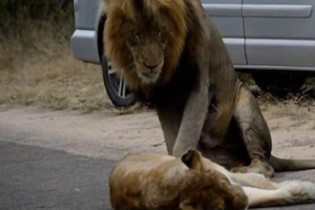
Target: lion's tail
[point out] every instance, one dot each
(281, 164)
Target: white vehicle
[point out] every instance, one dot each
(272, 39)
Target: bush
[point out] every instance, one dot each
(17, 13)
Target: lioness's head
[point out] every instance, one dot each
(145, 38)
(206, 188)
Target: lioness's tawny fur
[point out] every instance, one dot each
(172, 55)
(160, 182)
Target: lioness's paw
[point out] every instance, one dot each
(291, 187)
(301, 189)
(309, 187)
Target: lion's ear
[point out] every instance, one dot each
(185, 207)
(192, 159)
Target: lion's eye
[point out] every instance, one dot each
(137, 36)
(158, 33)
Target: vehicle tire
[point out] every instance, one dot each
(279, 82)
(115, 86)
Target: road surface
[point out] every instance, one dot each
(61, 160)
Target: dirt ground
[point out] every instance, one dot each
(110, 135)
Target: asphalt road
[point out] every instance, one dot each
(35, 178)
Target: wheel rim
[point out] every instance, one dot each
(118, 83)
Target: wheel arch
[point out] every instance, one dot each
(100, 40)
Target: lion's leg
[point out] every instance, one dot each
(170, 120)
(290, 192)
(243, 179)
(254, 133)
(253, 180)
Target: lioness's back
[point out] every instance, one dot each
(142, 162)
(132, 178)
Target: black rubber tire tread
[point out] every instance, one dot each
(279, 82)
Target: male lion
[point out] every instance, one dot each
(172, 55)
(154, 181)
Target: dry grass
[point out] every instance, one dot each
(37, 68)
(299, 107)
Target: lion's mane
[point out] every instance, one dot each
(171, 14)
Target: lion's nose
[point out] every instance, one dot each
(150, 66)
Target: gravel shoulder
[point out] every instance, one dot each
(111, 136)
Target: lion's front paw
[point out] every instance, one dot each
(256, 166)
(265, 173)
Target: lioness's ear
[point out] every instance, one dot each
(106, 5)
(106, 2)
(192, 159)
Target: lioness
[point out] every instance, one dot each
(160, 182)
(172, 55)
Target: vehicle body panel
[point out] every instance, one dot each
(259, 34)
(84, 41)
(227, 16)
(280, 32)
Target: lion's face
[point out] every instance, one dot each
(147, 47)
(145, 39)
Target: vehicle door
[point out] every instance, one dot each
(280, 33)
(227, 16)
